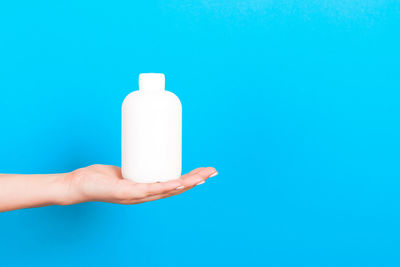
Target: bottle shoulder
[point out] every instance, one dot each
(137, 97)
(131, 97)
(173, 97)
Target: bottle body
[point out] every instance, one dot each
(151, 136)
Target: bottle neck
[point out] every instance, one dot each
(151, 82)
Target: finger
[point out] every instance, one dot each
(187, 188)
(147, 199)
(193, 179)
(195, 171)
(159, 196)
(181, 189)
(162, 196)
(175, 192)
(166, 187)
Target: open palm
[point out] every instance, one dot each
(105, 183)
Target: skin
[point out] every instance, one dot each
(93, 183)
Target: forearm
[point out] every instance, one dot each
(27, 191)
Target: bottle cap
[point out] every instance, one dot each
(151, 82)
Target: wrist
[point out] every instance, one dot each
(69, 189)
(64, 190)
(57, 189)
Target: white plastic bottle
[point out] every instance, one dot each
(151, 132)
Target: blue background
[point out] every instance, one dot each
(295, 104)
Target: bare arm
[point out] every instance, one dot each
(93, 183)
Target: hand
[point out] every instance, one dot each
(105, 183)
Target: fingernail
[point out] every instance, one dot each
(179, 187)
(212, 175)
(202, 182)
